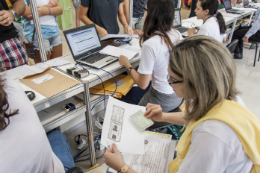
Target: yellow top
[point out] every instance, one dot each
(9, 3)
(244, 123)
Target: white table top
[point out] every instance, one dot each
(238, 16)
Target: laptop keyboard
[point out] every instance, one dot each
(93, 58)
(182, 29)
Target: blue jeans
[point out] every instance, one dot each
(60, 146)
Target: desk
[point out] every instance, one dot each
(92, 80)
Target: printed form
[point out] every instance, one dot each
(159, 153)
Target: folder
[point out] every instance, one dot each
(49, 82)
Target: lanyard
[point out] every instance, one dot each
(207, 19)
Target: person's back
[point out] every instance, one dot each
(24, 145)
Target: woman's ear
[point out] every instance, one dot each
(206, 11)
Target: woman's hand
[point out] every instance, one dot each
(154, 112)
(124, 61)
(129, 30)
(102, 32)
(115, 160)
(138, 32)
(191, 31)
(43, 11)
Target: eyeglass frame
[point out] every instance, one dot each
(172, 82)
(143, 8)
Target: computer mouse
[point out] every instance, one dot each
(30, 95)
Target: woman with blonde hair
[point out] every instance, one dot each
(221, 135)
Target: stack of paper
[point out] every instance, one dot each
(116, 52)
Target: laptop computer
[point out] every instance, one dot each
(85, 44)
(228, 7)
(177, 23)
(246, 4)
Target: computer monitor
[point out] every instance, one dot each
(83, 41)
(177, 18)
(227, 4)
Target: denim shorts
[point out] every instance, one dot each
(76, 3)
(48, 43)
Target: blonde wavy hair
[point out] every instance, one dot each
(208, 72)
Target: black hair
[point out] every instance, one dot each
(212, 6)
(159, 20)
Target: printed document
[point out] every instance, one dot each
(159, 153)
(118, 127)
(116, 51)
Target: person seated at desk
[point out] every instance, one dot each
(24, 145)
(213, 21)
(158, 38)
(247, 34)
(221, 135)
(104, 14)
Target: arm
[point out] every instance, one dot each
(44, 10)
(84, 18)
(255, 26)
(123, 20)
(142, 80)
(155, 112)
(7, 17)
(126, 10)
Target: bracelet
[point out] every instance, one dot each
(49, 11)
(52, 4)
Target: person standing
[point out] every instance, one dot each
(12, 51)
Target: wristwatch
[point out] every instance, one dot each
(16, 16)
(129, 69)
(124, 169)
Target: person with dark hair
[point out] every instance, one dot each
(12, 51)
(158, 38)
(213, 21)
(247, 34)
(104, 14)
(221, 136)
(23, 141)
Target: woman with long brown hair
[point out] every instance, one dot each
(156, 42)
(221, 136)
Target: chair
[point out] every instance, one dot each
(257, 43)
(231, 47)
(74, 170)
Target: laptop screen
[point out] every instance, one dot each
(177, 18)
(83, 41)
(246, 2)
(227, 4)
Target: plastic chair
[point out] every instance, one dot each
(256, 50)
(231, 47)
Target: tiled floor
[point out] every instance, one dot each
(248, 83)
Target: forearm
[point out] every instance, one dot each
(18, 6)
(56, 11)
(175, 118)
(131, 171)
(123, 21)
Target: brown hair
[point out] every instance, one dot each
(208, 72)
(4, 106)
(159, 20)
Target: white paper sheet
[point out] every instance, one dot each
(20, 72)
(117, 36)
(53, 63)
(118, 127)
(116, 51)
(159, 152)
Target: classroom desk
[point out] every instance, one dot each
(92, 80)
(245, 13)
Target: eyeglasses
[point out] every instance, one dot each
(170, 81)
(144, 9)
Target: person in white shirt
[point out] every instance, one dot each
(213, 21)
(157, 39)
(24, 146)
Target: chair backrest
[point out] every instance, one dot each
(231, 47)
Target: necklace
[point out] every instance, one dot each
(107, 1)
